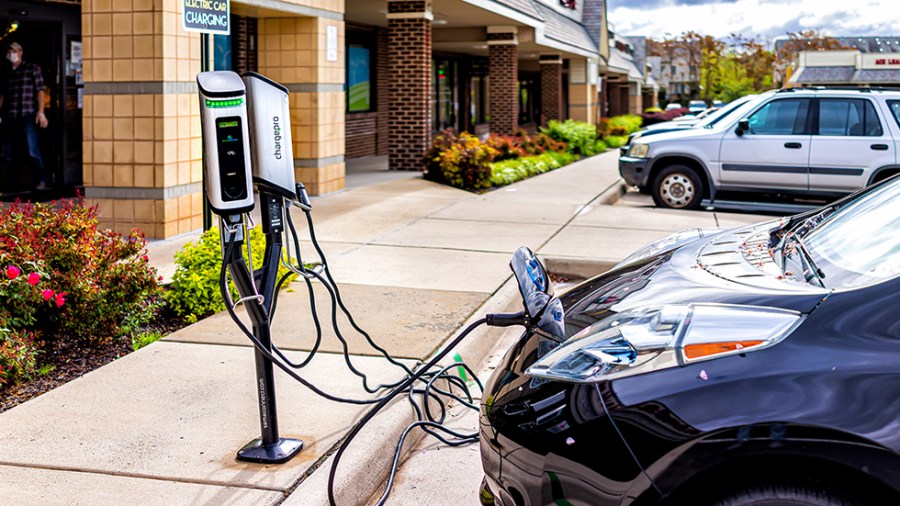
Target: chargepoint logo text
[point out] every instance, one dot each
(277, 129)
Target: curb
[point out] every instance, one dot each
(360, 475)
(613, 194)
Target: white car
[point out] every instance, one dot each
(816, 141)
(673, 106)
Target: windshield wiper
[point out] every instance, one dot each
(810, 269)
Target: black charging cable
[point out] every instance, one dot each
(429, 422)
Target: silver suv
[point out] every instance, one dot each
(806, 141)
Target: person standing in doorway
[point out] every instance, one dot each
(22, 110)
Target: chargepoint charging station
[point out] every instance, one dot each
(242, 148)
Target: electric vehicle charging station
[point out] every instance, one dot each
(228, 148)
(247, 139)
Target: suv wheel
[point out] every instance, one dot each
(678, 187)
(783, 495)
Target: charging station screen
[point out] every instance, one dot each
(232, 171)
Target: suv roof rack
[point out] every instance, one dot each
(862, 89)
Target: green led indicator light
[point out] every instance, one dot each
(218, 104)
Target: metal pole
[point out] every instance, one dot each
(204, 67)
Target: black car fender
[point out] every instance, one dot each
(775, 452)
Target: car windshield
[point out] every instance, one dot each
(860, 243)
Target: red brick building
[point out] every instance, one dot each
(416, 67)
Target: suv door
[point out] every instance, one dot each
(849, 143)
(774, 152)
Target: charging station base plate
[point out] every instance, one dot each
(276, 453)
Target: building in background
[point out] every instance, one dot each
(863, 61)
(366, 78)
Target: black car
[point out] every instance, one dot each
(758, 365)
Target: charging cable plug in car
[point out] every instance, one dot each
(507, 319)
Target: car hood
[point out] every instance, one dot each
(683, 133)
(730, 267)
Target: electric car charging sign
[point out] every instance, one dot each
(207, 16)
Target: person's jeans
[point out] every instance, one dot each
(23, 133)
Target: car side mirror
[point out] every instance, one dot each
(743, 126)
(545, 312)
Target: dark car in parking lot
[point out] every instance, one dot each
(749, 366)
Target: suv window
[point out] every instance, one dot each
(780, 117)
(848, 117)
(895, 109)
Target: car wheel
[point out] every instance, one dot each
(678, 187)
(783, 495)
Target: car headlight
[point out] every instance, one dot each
(639, 150)
(649, 339)
(667, 243)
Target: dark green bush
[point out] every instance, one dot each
(194, 292)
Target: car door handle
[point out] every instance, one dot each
(793, 145)
(879, 147)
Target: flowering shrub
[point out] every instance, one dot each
(542, 143)
(465, 163)
(22, 299)
(99, 277)
(507, 147)
(194, 292)
(441, 142)
(624, 125)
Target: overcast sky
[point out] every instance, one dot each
(763, 19)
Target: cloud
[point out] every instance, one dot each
(763, 19)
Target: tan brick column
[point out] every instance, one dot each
(306, 54)
(409, 84)
(551, 87)
(503, 70)
(583, 97)
(142, 151)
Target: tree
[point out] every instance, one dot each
(805, 40)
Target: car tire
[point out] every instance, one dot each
(783, 495)
(645, 190)
(677, 187)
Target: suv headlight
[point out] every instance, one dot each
(649, 339)
(639, 150)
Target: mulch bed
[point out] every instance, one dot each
(70, 360)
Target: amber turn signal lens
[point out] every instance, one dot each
(695, 351)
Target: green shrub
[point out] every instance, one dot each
(465, 163)
(18, 355)
(579, 137)
(141, 339)
(194, 292)
(542, 143)
(616, 141)
(600, 146)
(99, 278)
(651, 110)
(510, 171)
(625, 124)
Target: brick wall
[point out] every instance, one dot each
(382, 81)
(409, 85)
(551, 88)
(503, 69)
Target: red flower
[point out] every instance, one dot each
(34, 278)
(12, 272)
(47, 294)
(60, 299)
(146, 258)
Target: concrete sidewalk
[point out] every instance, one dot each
(414, 260)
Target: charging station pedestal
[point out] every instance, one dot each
(227, 150)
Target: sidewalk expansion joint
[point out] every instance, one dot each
(48, 467)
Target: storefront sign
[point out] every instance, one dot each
(331, 39)
(887, 61)
(207, 16)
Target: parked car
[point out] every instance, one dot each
(696, 106)
(707, 121)
(750, 366)
(673, 105)
(809, 142)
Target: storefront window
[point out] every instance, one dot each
(529, 99)
(443, 79)
(478, 95)
(359, 78)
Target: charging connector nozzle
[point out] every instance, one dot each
(302, 196)
(507, 319)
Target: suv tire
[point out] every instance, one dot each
(677, 187)
(783, 495)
